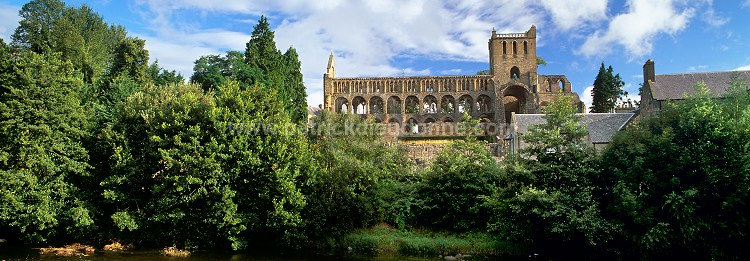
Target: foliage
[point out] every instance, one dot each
(607, 89)
(196, 170)
(79, 34)
(355, 167)
(383, 240)
(283, 71)
(295, 86)
(450, 192)
(541, 61)
(546, 201)
(41, 156)
(211, 71)
(130, 58)
(160, 76)
(680, 182)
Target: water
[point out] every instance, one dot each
(8, 254)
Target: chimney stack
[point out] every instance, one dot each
(648, 71)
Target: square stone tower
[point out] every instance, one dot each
(513, 57)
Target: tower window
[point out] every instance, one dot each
(525, 48)
(515, 73)
(505, 50)
(515, 50)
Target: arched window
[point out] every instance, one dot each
(376, 105)
(515, 48)
(394, 105)
(484, 103)
(412, 104)
(430, 104)
(342, 105)
(465, 103)
(447, 104)
(525, 48)
(562, 86)
(515, 73)
(505, 48)
(359, 105)
(412, 126)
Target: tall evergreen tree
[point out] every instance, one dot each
(282, 72)
(295, 86)
(607, 89)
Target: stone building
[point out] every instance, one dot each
(600, 126)
(427, 106)
(658, 89)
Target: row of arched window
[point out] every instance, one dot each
(514, 46)
(412, 105)
(396, 86)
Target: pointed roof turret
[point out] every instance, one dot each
(331, 70)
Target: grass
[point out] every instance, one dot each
(384, 240)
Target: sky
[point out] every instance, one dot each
(447, 37)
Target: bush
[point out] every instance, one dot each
(449, 197)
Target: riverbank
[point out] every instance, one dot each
(383, 240)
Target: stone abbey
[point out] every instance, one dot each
(418, 105)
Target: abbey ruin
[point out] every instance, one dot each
(426, 107)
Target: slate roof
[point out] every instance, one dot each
(678, 86)
(601, 126)
(313, 111)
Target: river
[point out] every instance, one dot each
(8, 254)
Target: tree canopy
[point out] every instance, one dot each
(607, 90)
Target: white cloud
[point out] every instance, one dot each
(746, 3)
(8, 20)
(713, 19)
(588, 98)
(369, 36)
(569, 14)
(366, 36)
(636, 29)
(743, 68)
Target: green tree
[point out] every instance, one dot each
(548, 204)
(198, 170)
(607, 89)
(161, 76)
(450, 194)
(541, 61)
(212, 71)
(42, 159)
(35, 29)
(295, 85)
(261, 51)
(679, 182)
(80, 34)
(355, 163)
(282, 71)
(130, 58)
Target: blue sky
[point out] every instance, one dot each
(427, 37)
